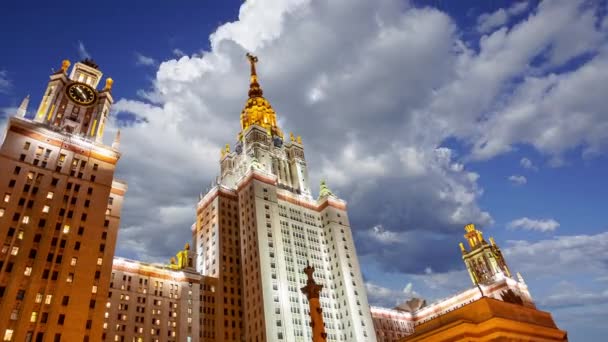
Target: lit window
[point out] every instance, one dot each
(28, 271)
(94, 289)
(99, 261)
(20, 235)
(25, 220)
(48, 299)
(15, 251)
(26, 146)
(106, 315)
(8, 334)
(7, 197)
(66, 229)
(49, 195)
(73, 262)
(46, 209)
(39, 150)
(30, 175)
(108, 304)
(70, 278)
(105, 325)
(38, 297)
(34, 316)
(1, 212)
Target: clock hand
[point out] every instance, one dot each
(81, 93)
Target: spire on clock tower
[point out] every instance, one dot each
(258, 110)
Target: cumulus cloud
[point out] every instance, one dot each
(518, 179)
(178, 52)
(561, 256)
(374, 103)
(527, 164)
(5, 83)
(82, 51)
(489, 21)
(144, 60)
(542, 225)
(386, 297)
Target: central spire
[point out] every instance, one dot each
(254, 87)
(258, 110)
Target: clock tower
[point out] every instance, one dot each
(72, 104)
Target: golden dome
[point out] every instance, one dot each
(258, 110)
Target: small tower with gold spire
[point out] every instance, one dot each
(484, 261)
(312, 290)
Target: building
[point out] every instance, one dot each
(149, 302)
(259, 226)
(489, 319)
(59, 212)
(491, 278)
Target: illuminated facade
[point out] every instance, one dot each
(59, 212)
(488, 319)
(257, 228)
(497, 283)
(155, 303)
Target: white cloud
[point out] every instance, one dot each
(82, 51)
(527, 164)
(542, 225)
(5, 83)
(386, 297)
(489, 21)
(373, 119)
(144, 60)
(178, 53)
(518, 180)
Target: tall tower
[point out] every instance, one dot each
(59, 212)
(484, 261)
(258, 226)
(312, 290)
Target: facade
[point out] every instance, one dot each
(257, 228)
(488, 319)
(149, 302)
(491, 279)
(59, 212)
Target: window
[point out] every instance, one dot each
(66, 229)
(25, 220)
(7, 197)
(28, 271)
(15, 250)
(54, 182)
(70, 277)
(60, 322)
(74, 261)
(8, 335)
(50, 194)
(46, 209)
(99, 261)
(34, 316)
(65, 301)
(39, 298)
(1, 212)
(94, 289)
(27, 145)
(48, 299)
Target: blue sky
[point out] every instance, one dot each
(423, 115)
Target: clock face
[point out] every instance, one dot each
(81, 93)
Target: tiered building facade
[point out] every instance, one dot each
(59, 212)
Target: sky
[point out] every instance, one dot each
(423, 115)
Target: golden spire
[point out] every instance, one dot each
(258, 110)
(65, 64)
(254, 87)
